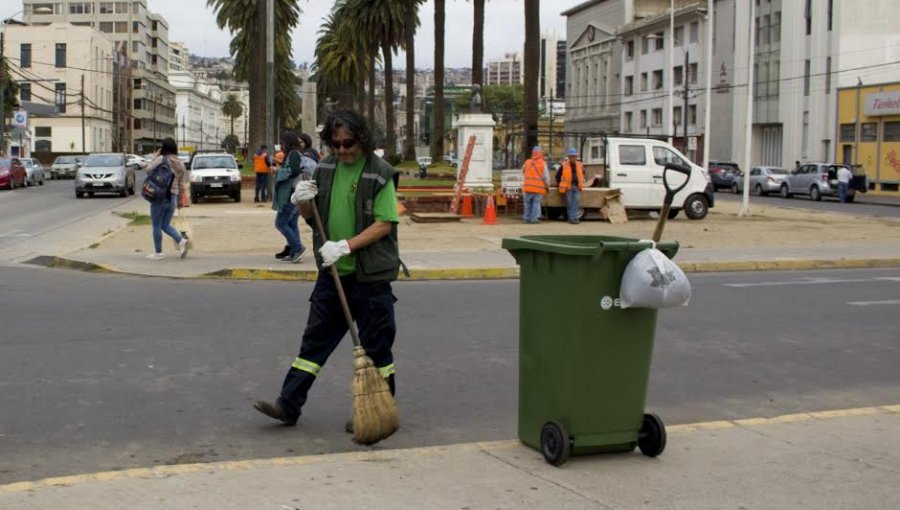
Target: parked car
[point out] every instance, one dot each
(105, 173)
(64, 166)
(137, 162)
(185, 157)
(214, 174)
(12, 173)
(34, 171)
(820, 180)
(763, 180)
(723, 173)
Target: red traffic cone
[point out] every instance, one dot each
(467, 207)
(490, 212)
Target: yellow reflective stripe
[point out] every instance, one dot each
(387, 371)
(306, 366)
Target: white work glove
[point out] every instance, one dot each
(331, 251)
(305, 191)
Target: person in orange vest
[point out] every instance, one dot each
(262, 165)
(537, 180)
(571, 182)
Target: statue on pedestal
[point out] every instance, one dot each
(476, 102)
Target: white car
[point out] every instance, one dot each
(136, 162)
(34, 171)
(214, 174)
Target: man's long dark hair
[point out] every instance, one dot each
(289, 141)
(355, 123)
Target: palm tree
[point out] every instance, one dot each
(532, 62)
(410, 26)
(437, 134)
(232, 107)
(246, 20)
(478, 44)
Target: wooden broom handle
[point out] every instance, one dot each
(337, 278)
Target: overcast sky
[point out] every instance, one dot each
(193, 23)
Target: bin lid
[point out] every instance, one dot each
(589, 246)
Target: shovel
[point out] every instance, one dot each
(670, 194)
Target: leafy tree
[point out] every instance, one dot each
(231, 143)
(232, 107)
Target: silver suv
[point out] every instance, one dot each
(214, 174)
(65, 166)
(105, 173)
(818, 180)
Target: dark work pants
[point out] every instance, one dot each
(372, 307)
(262, 187)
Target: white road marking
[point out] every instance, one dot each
(875, 303)
(810, 281)
(16, 233)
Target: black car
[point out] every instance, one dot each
(723, 174)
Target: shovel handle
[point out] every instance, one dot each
(670, 195)
(337, 279)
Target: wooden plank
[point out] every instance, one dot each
(434, 217)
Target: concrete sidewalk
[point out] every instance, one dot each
(239, 240)
(839, 459)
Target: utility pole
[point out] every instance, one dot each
(684, 113)
(2, 97)
(201, 133)
(83, 148)
(748, 141)
(270, 80)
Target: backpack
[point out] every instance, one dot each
(158, 183)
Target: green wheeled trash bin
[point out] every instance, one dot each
(584, 362)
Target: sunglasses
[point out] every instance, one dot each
(337, 144)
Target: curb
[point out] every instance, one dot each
(495, 273)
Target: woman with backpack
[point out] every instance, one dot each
(296, 166)
(161, 211)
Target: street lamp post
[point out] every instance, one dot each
(183, 139)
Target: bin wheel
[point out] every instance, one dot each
(652, 437)
(556, 445)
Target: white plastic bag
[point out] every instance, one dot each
(652, 280)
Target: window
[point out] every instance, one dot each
(692, 115)
(868, 132)
(764, 30)
(44, 131)
(756, 29)
(848, 132)
(806, 78)
(137, 104)
(121, 7)
(60, 97)
(41, 9)
(679, 75)
(643, 82)
(677, 115)
(828, 75)
(660, 42)
(80, 8)
(629, 85)
(24, 92)
(776, 27)
(137, 123)
(25, 55)
(657, 117)
(105, 8)
(692, 73)
(662, 155)
(629, 50)
(658, 79)
(645, 45)
(121, 27)
(138, 84)
(135, 27)
(42, 146)
(695, 31)
(774, 78)
(643, 119)
(60, 54)
(628, 119)
(891, 132)
(679, 36)
(154, 26)
(106, 27)
(632, 155)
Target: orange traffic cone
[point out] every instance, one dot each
(490, 212)
(184, 200)
(467, 207)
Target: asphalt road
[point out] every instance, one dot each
(104, 372)
(827, 204)
(27, 212)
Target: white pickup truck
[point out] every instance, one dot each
(635, 166)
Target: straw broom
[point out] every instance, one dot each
(375, 414)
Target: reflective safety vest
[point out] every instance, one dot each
(534, 180)
(565, 180)
(260, 165)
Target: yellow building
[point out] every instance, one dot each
(872, 141)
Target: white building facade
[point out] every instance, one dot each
(198, 107)
(508, 70)
(71, 69)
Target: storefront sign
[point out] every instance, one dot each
(883, 103)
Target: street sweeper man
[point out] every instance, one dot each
(355, 193)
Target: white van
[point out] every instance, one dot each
(635, 166)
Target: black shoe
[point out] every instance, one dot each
(274, 411)
(283, 253)
(348, 427)
(255, 199)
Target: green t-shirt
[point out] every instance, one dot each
(342, 211)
